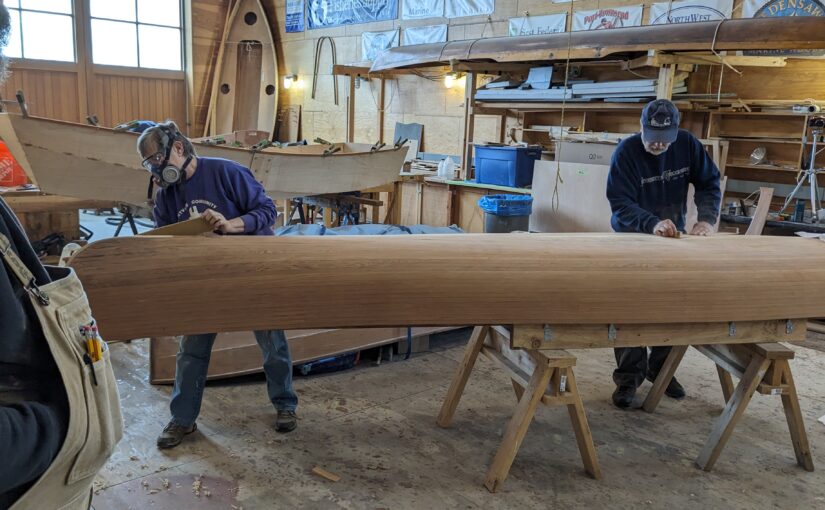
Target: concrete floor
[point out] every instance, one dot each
(374, 426)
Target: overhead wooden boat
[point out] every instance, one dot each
(802, 33)
(234, 283)
(245, 90)
(82, 161)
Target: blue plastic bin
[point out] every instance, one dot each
(505, 166)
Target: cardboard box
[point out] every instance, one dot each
(589, 153)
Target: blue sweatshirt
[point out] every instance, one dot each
(224, 186)
(644, 189)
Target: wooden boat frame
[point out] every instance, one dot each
(92, 162)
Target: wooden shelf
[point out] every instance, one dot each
(743, 164)
(797, 141)
(570, 105)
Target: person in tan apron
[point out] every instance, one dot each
(60, 414)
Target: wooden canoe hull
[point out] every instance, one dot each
(76, 160)
(247, 86)
(166, 286)
(803, 33)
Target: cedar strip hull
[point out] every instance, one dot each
(801, 33)
(166, 285)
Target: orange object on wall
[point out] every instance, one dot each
(11, 173)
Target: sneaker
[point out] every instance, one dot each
(623, 396)
(286, 421)
(173, 434)
(674, 389)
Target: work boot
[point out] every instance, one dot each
(673, 390)
(623, 396)
(286, 421)
(173, 434)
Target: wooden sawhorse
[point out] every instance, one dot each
(761, 367)
(537, 376)
(749, 350)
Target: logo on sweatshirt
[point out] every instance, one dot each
(667, 176)
(199, 205)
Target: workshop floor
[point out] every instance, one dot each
(374, 426)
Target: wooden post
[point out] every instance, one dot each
(469, 126)
(727, 383)
(664, 86)
(381, 111)
(350, 108)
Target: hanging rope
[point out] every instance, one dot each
(555, 200)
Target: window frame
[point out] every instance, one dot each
(82, 25)
(48, 64)
(181, 29)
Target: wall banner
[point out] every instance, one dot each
(538, 25)
(422, 9)
(689, 11)
(373, 43)
(332, 13)
(462, 8)
(612, 17)
(294, 15)
(776, 8)
(424, 35)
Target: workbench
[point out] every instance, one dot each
(541, 370)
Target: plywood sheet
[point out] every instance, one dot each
(582, 204)
(238, 353)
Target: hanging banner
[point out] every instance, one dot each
(777, 8)
(424, 35)
(689, 11)
(538, 25)
(462, 8)
(614, 17)
(331, 13)
(373, 43)
(294, 15)
(422, 9)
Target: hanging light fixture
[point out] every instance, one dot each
(289, 80)
(450, 79)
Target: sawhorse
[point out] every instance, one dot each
(760, 367)
(537, 376)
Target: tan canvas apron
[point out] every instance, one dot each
(95, 423)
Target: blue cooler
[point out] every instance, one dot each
(505, 166)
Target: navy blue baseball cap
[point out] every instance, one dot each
(660, 121)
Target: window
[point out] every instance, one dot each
(41, 29)
(137, 33)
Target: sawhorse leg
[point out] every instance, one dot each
(733, 411)
(583, 436)
(663, 379)
(793, 414)
(517, 428)
(445, 416)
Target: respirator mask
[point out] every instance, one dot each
(158, 163)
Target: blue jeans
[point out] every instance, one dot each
(193, 364)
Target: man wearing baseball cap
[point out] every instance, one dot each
(647, 188)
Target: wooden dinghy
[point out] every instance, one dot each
(245, 86)
(82, 161)
(736, 34)
(234, 283)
